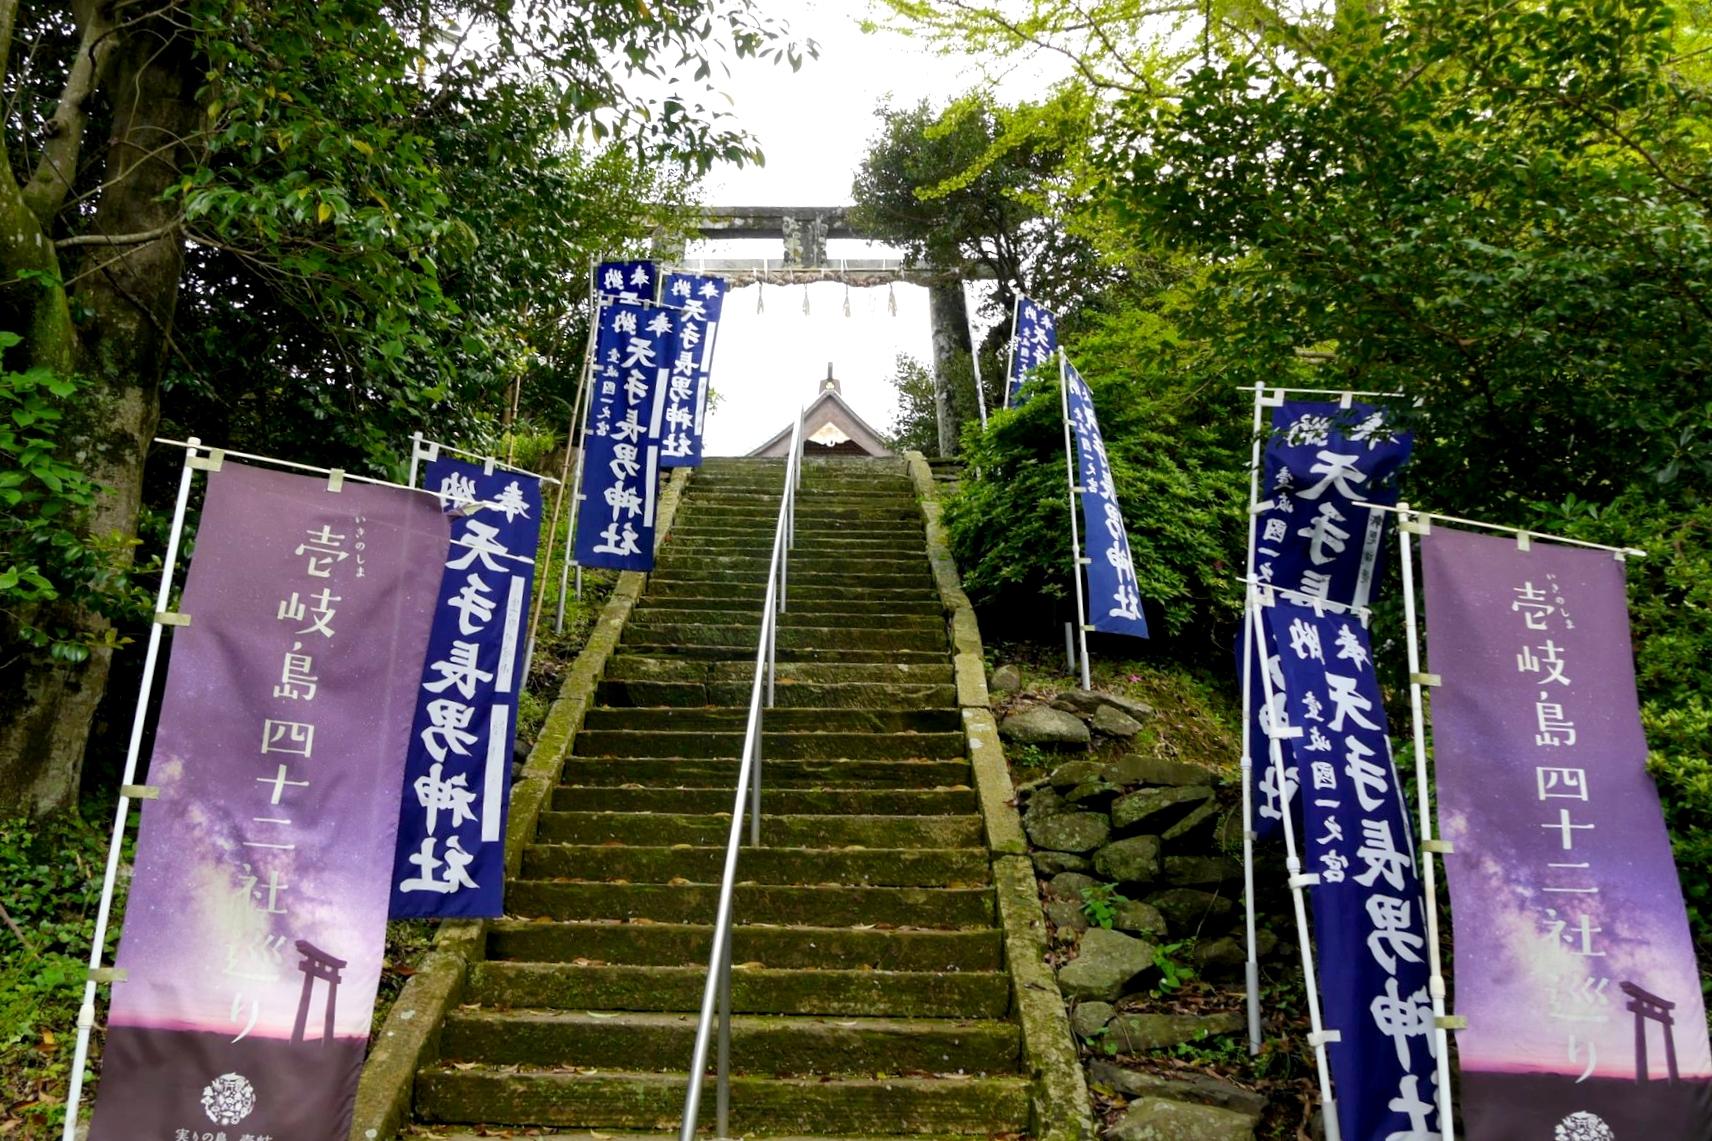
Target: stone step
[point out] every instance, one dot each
(786, 694)
(754, 990)
(878, 867)
(776, 774)
(759, 1105)
(763, 511)
(630, 666)
(745, 652)
(440, 1133)
(777, 744)
(789, 831)
(793, 619)
(750, 606)
(794, 633)
(850, 575)
(760, 1044)
(743, 537)
(864, 801)
(687, 944)
(733, 719)
(688, 586)
(830, 905)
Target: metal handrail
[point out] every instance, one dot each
(717, 991)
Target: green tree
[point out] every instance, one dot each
(308, 145)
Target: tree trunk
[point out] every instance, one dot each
(948, 317)
(130, 292)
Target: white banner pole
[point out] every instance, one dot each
(1077, 562)
(127, 787)
(1318, 1035)
(579, 428)
(1252, 966)
(415, 456)
(974, 352)
(1010, 353)
(1407, 527)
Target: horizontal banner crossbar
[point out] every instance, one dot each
(1408, 514)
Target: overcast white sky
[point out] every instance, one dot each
(814, 126)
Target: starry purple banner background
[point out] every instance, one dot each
(1562, 885)
(252, 850)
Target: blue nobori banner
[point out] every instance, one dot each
(634, 350)
(1114, 599)
(1369, 918)
(632, 281)
(1034, 342)
(1310, 537)
(699, 301)
(457, 777)
(1322, 459)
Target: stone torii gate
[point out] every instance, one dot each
(805, 230)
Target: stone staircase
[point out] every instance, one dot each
(869, 988)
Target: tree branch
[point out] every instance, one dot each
(63, 138)
(119, 239)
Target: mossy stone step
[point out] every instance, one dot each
(680, 944)
(745, 539)
(734, 718)
(802, 555)
(790, 831)
(746, 653)
(759, 1105)
(760, 1044)
(917, 635)
(881, 867)
(777, 744)
(786, 694)
(750, 607)
(755, 589)
(819, 906)
(754, 990)
(857, 801)
(795, 619)
(777, 775)
(847, 574)
(627, 665)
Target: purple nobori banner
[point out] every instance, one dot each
(1369, 918)
(700, 301)
(457, 773)
(1319, 461)
(257, 913)
(1585, 1016)
(1114, 599)
(634, 351)
(1034, 342)
(632, 281)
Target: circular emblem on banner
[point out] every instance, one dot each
(1584, 1126)
(230, 1098)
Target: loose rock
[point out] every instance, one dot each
(1046, 727)
(1219, 958)
(1188, 910)
(1135, 860)
(1089, 1018)
(1142, 918)
(1051, 863)
(1114, 723)
(1154, 809)
(1137, 768)
(1200, 1089)
(1071, 832)
(1107, 962)
(1135, 1033)
(1045, 802)
(1069, 885)
(1196, 871)
(1191, 823)
(1156, 1119)
(1005, 679)
(1067, 915)
(1072, 773)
